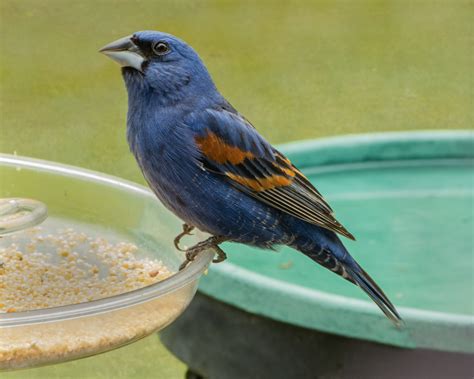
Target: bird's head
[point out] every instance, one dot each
(159, 62)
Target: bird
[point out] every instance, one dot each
(209, 165)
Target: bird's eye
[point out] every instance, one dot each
(161, 48)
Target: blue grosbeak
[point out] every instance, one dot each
(210, 167)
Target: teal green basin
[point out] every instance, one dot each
(408, 199)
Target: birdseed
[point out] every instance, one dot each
(54, 342)
(40, 270)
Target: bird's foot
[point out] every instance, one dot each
(187, 229)
(221, 255)
(211, 243)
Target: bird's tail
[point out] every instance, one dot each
(359, 277)
(349, 269)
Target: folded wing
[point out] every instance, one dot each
(230, 146)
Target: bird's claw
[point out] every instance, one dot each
(221, 255)
(211, 243)
(187, 229)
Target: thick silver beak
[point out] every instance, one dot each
(125, 53)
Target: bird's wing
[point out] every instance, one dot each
(230, 146)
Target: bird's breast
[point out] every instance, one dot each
(167, 159)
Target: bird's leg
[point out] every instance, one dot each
(187, 229)
(211, 243)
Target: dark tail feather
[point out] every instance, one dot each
(359, 277)
(344, 265)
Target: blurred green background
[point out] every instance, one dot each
(296, 69)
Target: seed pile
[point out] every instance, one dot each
(39, 270)
(51, 266)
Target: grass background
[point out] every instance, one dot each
(296, 69)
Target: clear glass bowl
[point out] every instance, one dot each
(58, 334)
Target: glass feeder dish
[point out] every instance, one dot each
(106, 206)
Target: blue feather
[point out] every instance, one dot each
(212, 168)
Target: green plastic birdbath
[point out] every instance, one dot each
(408, 199)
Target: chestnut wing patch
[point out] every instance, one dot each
(252, 165)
